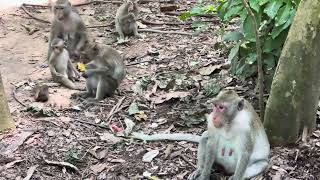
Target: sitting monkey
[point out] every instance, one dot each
(67, 25)
(125, 21)
(235, 139)
(104, 72)
(60, 65)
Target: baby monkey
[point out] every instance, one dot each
(125, 21)
(60, 65)
(104, 72)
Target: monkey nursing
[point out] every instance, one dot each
(68, 26)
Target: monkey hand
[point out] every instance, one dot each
(85, 75)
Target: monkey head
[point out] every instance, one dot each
(225, 106)
(62, 9)
(57, 45)
(91, 50)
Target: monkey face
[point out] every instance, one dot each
(61, 11)
(225, 109)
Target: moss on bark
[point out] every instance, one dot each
(295, 88)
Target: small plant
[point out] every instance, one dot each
(273, 17)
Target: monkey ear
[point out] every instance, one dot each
(240, 105)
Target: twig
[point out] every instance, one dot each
(32, 16)
(63, 164)
(30, 172)
(35, 5)
(139, 62)
(187, 161)
(259, 60)
(106, 25)
(178, 14)
(14, 94)
(97, 2)
(165, 32)
(114, 110)
(93, 124)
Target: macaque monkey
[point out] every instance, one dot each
(60, 65)
(104, 72)
(41, 93)
(125, 21)
(67, 25)
(235, 139)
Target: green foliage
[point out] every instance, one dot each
(72, 156)
(273, 17)
(196, 11)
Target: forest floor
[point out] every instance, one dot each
(169, 77)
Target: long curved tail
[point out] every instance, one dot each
(172, 137)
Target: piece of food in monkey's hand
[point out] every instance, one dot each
(81, 67)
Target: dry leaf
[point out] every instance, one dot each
(110, 138)
(97, 168)
(206, 71)
(165, 97)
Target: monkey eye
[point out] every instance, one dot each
(219, 107)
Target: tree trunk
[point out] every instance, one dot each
(295, 88)
(6, 121)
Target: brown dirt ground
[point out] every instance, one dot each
(62, 138)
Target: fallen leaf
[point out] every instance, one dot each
(148, 157)
(141, 116)
(165, 97)
(30, 172)
(98, 168)
(115, 128)
(110, 138)
(206, 71)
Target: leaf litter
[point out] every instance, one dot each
(171, 81)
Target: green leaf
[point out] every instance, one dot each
(233, 11)
(233, 36)
(263, 2)
(133, 108)
(283, 15)
(272, 8)
(271, 44)
(251, 58)
(277, 30)
(269, 62)
(248, 30)
(254, 4)
(234, 52)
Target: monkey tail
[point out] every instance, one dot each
(172, 137)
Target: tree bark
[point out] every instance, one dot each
(6, 121)
(295, 88)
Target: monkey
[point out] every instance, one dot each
(104, 72)
(60, 65)
(235, 139)
(41, 93)
(125, 21)
(67, 25)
